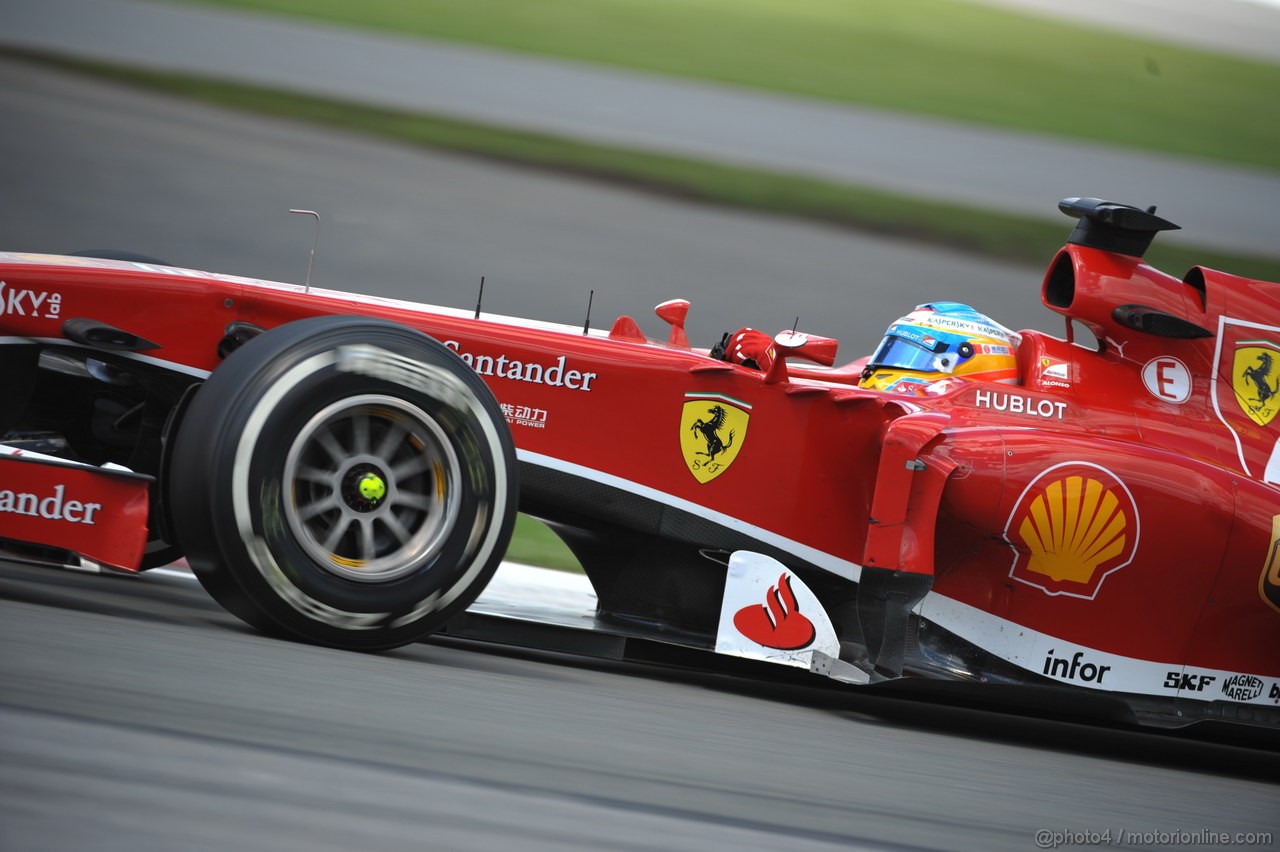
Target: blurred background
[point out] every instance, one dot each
(836, 160)
(840, 161)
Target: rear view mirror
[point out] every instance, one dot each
(811, 347)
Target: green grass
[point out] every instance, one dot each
(973, 230)
(533, 543)
(939, 57)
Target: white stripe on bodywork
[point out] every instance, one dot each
(1029, 649)
(839, 567)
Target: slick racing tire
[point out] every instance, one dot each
(345, 481)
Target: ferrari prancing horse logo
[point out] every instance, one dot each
(713, 428)
(1256, 381)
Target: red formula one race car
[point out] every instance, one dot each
(1008, 511)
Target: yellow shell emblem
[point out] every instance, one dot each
(1269, 581)
(1074, 525)
(713, 428)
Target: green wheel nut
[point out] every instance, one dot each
(372, 488)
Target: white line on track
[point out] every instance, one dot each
(514, 583)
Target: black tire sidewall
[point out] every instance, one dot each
(249, 413)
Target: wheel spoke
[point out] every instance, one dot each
(360, 434)
(399, 530)
(413, 465)
(413, 500)
(336, 533)
(395, 431)
(366, 540)
(315, 507)
(331, 446)
(314, 474)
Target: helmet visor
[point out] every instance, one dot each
(903, 354)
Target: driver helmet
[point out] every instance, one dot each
(941, 340)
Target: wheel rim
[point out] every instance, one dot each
(371, 488)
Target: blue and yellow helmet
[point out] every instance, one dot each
(941, 340)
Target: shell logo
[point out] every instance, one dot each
(1075, 524)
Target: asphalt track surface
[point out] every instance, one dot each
(135, 715)
(1025, 173)
(86, 165)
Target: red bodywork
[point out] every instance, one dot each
(101, 515)
(1111, 523)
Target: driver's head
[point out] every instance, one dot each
(941, 340)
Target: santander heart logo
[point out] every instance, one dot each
(778, 623)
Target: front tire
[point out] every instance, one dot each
(345, 481)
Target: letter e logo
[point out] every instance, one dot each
(1167, 379)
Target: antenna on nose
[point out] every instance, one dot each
(315, 238)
